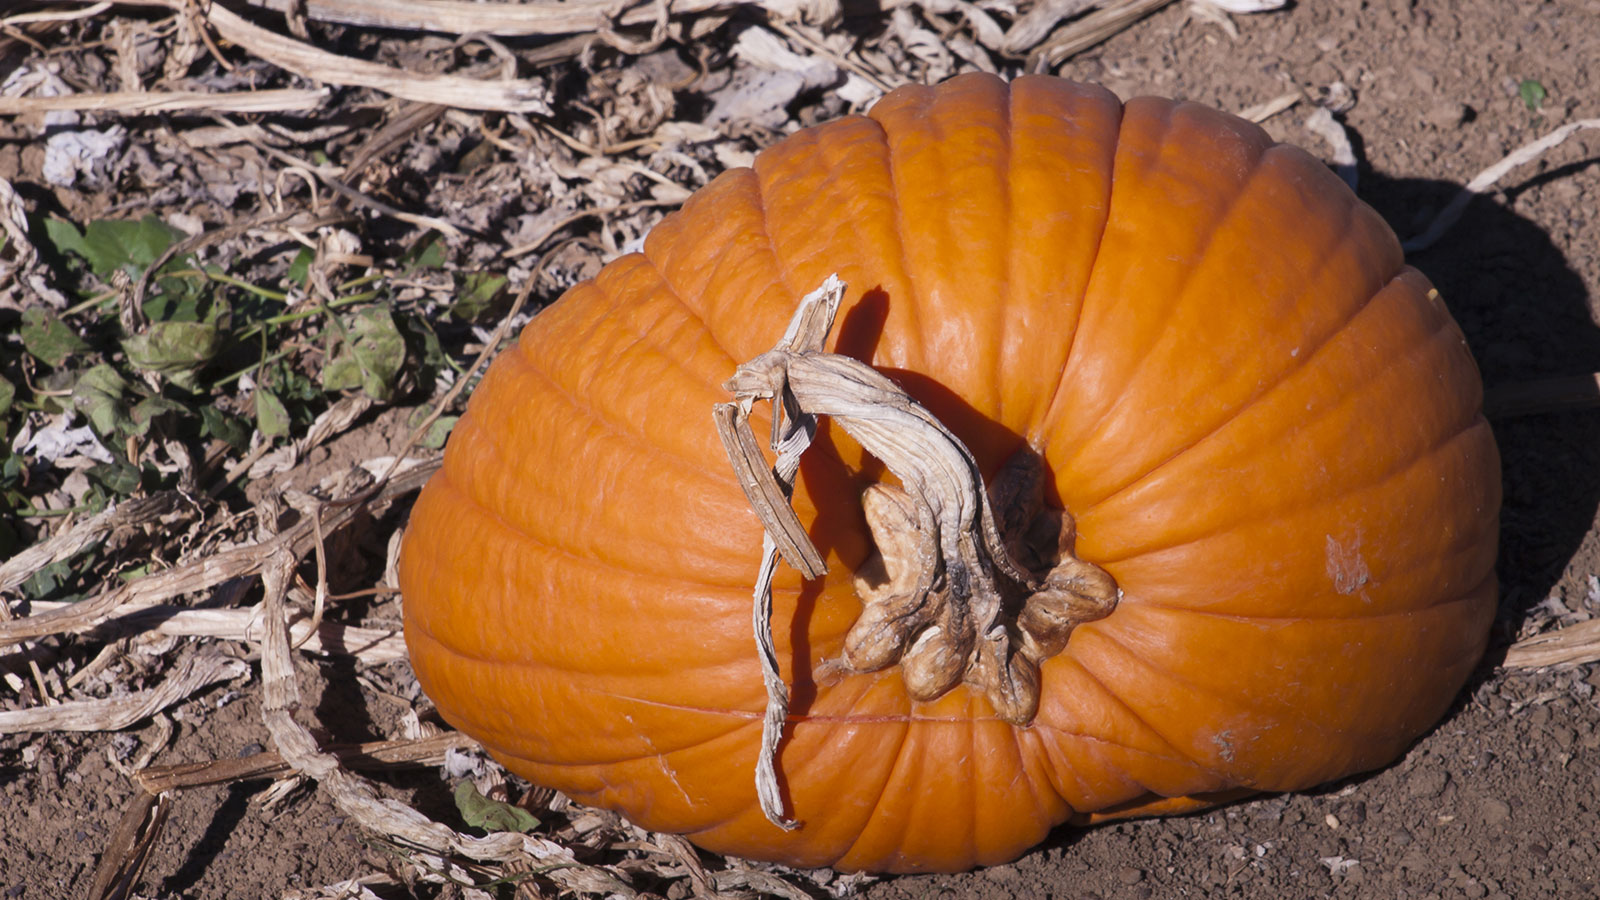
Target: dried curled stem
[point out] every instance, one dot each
(961, 596)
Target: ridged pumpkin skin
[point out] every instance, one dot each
(1267, 426)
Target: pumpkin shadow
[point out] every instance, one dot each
(1526, 315)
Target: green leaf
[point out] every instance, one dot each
(45, 581)
(271, 416)
(369, 357)
(475, 292)
(1532, 93)
(292, 384)
(8, 393)
(424, 256)
(48, 338)
(119, 477)
(98, 395)
(64, 237)
(439, 431)
(175, 350)
(182, 300)
(145, 411)
(133, 574)
(112, 244)
(97, 499)
(223, 426)
(491, 815)
(300, 268)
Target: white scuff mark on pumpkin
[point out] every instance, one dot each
(1346, 567)
(1224, 742)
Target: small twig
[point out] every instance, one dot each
(1488, 178)
(1098, 26)
(191, 10)
(1573, 644)
(347, 191)
(330, 422)
(816, 46)
(1035, 25)
(531, 246)
(55, 15)
(108, 654)
(1264, 111)
(502, 19)
(588, 149)
(320, 551)
(142, 103)
(395, 131)
(129, 847)
(380, 755)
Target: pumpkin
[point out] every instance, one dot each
(1234, 397)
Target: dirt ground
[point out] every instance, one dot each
(1500, 800)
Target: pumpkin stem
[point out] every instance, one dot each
(949, 600)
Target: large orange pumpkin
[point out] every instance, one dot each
(1265, 424)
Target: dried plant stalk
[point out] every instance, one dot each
(331, 68)
(202, 574)
(956, 607)
(1264, 111)
(502, 19)
(428, 751)
(370, 646)
(1491, 176)
(194, 671)
(85, 534)
(1036, 24)
(1573, 644)
(357, 797)
(1111, 19)
(141, 103)
(129, 847)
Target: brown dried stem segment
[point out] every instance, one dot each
(768, 490)
(953, 604)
